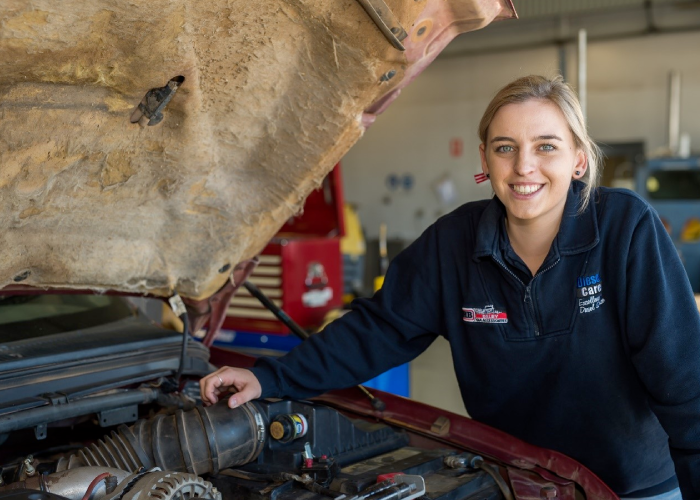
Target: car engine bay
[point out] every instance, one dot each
(100, 413)
(252, 452)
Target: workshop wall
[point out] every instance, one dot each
(392, 173)
(415, 137)
(628, 89)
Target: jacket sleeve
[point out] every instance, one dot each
(663, 331)
(390, 329)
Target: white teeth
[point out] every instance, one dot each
(526, 189)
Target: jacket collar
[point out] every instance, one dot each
(577, 232)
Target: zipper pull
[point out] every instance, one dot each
(528, 301)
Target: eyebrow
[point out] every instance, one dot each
(538, 138)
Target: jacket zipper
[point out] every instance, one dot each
(528, 296)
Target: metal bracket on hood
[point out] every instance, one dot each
(386, 21)
(155, 101)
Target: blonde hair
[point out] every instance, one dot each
(559, 93)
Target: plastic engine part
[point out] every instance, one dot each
(199, 441)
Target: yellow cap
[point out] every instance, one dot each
(277, 430)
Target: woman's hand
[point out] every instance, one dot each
(241, 382)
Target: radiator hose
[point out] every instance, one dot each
(204, 440)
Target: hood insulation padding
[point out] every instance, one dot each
(274, 93)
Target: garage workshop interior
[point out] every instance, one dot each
(349, 249)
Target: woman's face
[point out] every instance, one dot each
(531, 158)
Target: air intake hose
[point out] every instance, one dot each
(199, 441)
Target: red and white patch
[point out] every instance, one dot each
(486, 315)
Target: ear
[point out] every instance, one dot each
(581, 164)
(482, 153)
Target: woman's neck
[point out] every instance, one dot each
(531, 240)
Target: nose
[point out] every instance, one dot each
(525, 162)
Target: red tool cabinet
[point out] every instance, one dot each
(300, 269)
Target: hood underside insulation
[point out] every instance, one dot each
(265, 98)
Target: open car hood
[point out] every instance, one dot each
(264, 98)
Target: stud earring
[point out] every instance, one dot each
(479, 178)
(578, 172)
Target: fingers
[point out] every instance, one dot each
(211, 386)
(227, 379)
(247, 393)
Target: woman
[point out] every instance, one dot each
(570, 317)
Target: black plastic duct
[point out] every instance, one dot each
(199, 441)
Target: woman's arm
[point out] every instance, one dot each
(390, 329)
(663, 332)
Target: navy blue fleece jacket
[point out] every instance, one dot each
(596, 356)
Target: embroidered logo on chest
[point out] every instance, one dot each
(589, 290)
(486, 315)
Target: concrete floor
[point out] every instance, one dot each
(433, 379)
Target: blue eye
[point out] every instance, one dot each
(504, 149)
(547, 147)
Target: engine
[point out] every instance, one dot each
(97, 402)
(270, 449)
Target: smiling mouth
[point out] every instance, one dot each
(526, 188)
